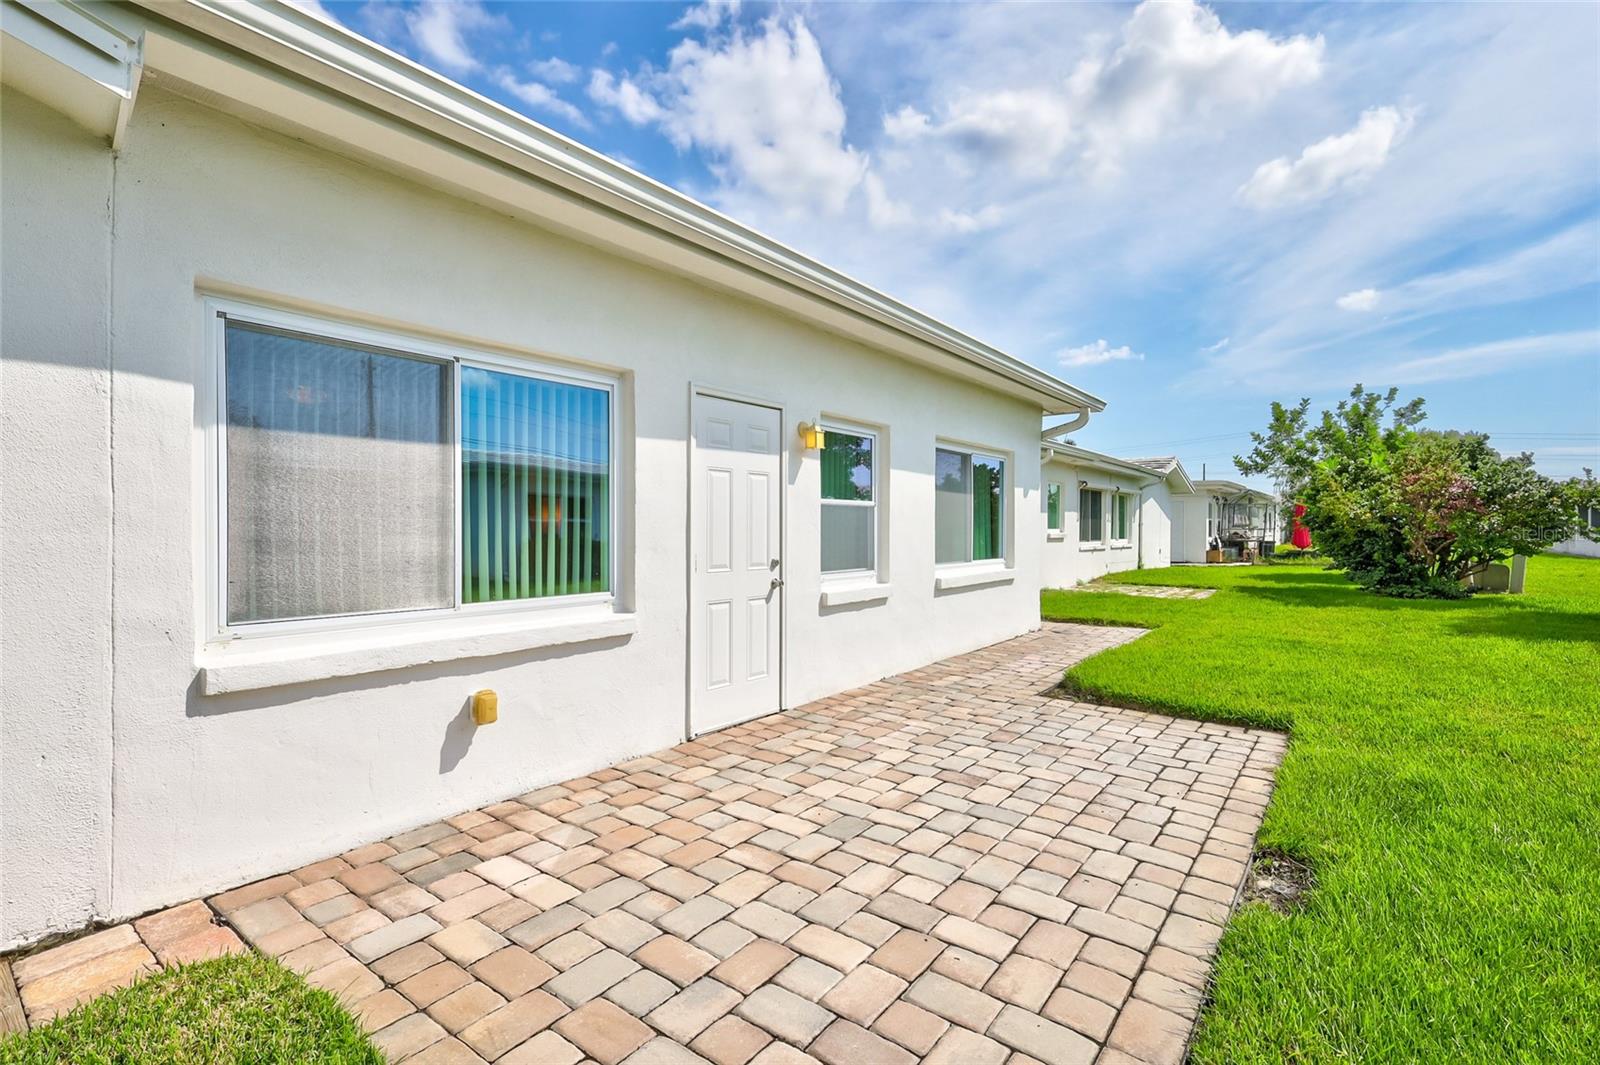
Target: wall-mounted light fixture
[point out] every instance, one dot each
(812, 436)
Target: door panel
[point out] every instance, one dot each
(735, 629)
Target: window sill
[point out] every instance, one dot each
(844, 594)
(978, 578)
(271, 662)
(1091, 547)
(1055, 537)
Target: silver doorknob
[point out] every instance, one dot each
(777, 582)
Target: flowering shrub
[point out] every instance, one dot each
(1407, 511)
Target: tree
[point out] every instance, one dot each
(1404, 510)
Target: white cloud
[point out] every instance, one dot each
(1026, 130)
(1330, 164)
(1362, 299)
(1179, 64)
(1493, 357)
(1212, 349)
(882, 211)
(1097, 353)
(539, 97)
(951, 221)
(440, 28)
(555, 70)
(761, 104)
(906, 124)
(314, 7)
(632, 102)
(708, 15)
(1176, 67)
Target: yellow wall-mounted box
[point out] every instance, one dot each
(485, 707)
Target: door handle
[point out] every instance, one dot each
(777, 582)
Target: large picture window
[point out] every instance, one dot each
(849, 501)
(969, 506)
(356, 474)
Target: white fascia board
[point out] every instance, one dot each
(1076, 456)
(65, 56)
(332, 58)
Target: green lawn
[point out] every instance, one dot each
(245, 1008)
(1443, 781)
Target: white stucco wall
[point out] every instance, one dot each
(210, 791)
(1067, 561)
(1578, 546)
(55, 531)
(1189, 515)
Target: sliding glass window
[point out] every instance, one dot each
(353, 479)
(340, 480)
(969, 506)
(849, 501)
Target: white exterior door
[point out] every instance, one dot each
(736, 586)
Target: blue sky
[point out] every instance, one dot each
(1189, 210)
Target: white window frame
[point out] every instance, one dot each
(1059, 529)
(218, 312)
(1117, 499)
(977, 452)
(853, 575)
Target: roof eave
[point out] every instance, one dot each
(341, 61)
(1071, 453)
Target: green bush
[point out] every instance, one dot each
(1408, 512)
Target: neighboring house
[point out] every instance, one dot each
(1582, 546)
(1105, 514)
(334, 392)
(1225, 516)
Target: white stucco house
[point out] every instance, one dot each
(1226, 516)
(1105, 514)
(334, 393)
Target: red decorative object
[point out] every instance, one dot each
(1301, 536)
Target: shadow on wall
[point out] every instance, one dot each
(458, 736)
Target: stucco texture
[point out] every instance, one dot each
(210, 791)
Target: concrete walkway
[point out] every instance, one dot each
(1151, 591)
(949, 865)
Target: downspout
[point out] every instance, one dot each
(1138, 516)
(1077, 421)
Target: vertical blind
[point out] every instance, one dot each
(340, 478)
(849, 518)
(535, 485)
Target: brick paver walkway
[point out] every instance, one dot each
(950, 864)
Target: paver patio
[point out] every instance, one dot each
(951, 865)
